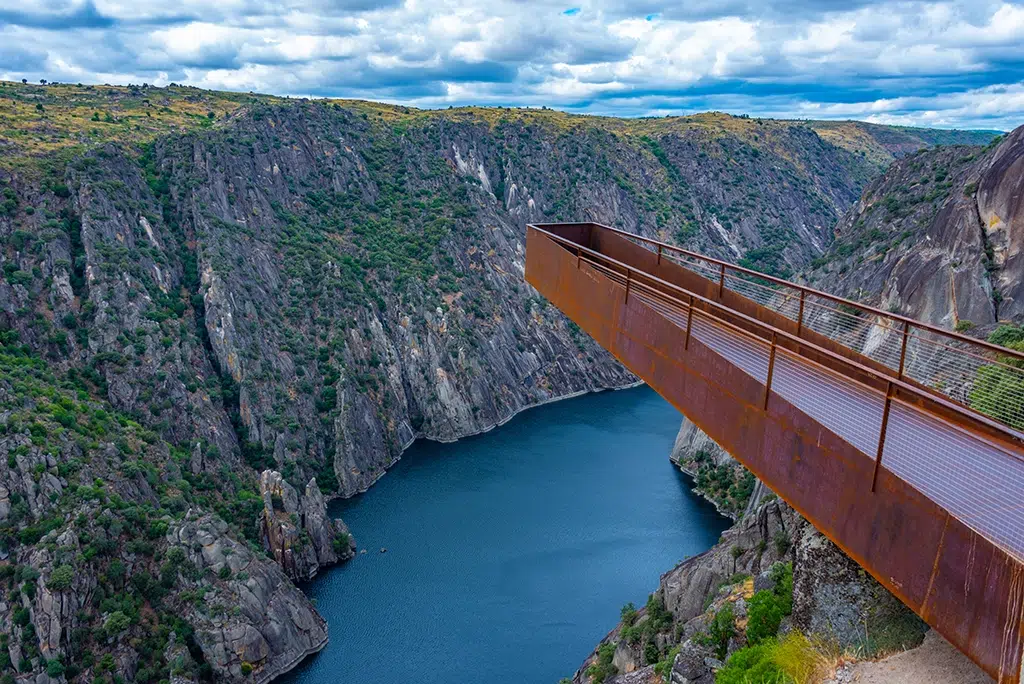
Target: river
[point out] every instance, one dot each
(509, 554)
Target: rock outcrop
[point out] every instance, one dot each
(749, 548)
(835, 598)
(717, 476)
(252, 622)
(296, 531)
(937, 237)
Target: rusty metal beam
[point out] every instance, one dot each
(965, 586)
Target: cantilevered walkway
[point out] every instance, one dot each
(899, 440)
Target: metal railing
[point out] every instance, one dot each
(976, 374)
(885, 412)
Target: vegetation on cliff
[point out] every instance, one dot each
(198, 287)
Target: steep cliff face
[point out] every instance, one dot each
(703, 609)
(205, 286)
(110, 556)
(296, 531)
(308, 287)
(937, 237)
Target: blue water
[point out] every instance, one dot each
(509, 554)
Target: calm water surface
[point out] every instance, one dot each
(509, 554)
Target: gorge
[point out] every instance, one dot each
(200, 288)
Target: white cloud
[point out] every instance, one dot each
(954, 62)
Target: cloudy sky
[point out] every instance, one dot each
(956, 63)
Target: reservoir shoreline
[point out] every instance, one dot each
(512, 550)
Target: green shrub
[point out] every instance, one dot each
(768, 607)
(998, 388)
(1006, 335)
(720, 630)
(765, 616)
(116, 623)
(342, 543)
(751, 665)
(782, 575)
(629, 614)
(663, 668)
(61, 578)
(603, 668)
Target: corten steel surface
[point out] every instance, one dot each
(916, 518)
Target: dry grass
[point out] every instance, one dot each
(38, 121)
(807, 660)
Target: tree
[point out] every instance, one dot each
(116, 623)
(765, 616)
(61, 578)
(999, 388)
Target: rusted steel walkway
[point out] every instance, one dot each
(884, 451)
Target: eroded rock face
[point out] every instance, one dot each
(938, 237)
(295, 528)
(693, 665)
(698, 455)
(750, 547)
(833, 598)
(253, 618)
(691, 441)
(837, 599)
(1000, 200)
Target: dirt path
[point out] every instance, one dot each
(933, 662)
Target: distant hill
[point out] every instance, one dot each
(37, 119)
(883, 144)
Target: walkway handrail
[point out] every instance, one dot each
(803, 289)
(1013, 437)
(911, 460)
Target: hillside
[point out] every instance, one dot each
(883, 144)
(229, 299)
(937, 237)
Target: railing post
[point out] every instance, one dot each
(628, 271)
(903, 348)
(721, 281)
(578, 254)
(800, 316)
(659, 255)
(689, 324)
(771, 369)
(881, 434)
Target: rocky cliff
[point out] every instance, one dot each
(296, 531)
(703, 609)
(937, 237)
(108, 557)
(203, 287)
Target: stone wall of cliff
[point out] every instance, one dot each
(301, 288)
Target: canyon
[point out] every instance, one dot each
(219, 311)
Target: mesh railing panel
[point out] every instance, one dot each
(970, 375)
(976, 480)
